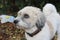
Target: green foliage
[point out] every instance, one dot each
(6, 4)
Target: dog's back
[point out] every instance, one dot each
(52, 15)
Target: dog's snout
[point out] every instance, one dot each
(16, 21)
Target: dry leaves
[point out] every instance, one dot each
(9, 32)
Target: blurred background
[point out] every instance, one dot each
(10, 7)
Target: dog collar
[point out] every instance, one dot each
(35, 32)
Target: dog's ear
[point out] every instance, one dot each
(41, 21)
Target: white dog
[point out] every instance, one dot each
(37, 25)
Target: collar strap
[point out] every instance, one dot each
(34, 33)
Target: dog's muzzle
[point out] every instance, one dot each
(16, 21)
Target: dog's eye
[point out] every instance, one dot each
(26, 16)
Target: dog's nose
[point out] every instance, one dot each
(15, 21)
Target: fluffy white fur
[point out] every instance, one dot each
(52, 15)
(28, 24)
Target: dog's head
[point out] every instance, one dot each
(28, 17)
